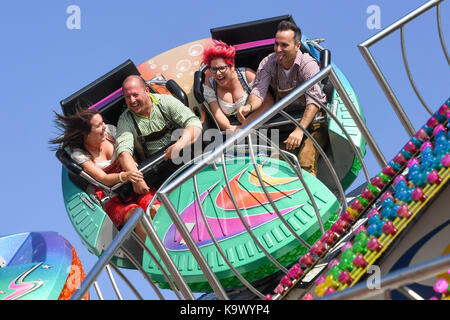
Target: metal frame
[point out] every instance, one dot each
(396, 279)
(399, 24)
(190, 170)
(164, 192)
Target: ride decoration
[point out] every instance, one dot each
(427, 158)
(74, 279)
(181, 64)
(38, 266)
(442, 287)
(287, 192)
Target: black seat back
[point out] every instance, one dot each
(73, 168)
(98, 89)
(175, 89)
(249, 31)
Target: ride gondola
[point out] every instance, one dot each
(182, 66)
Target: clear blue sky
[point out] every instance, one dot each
(42, 62)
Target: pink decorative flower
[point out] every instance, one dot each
(286, 281)
(374, 245)
(307, 259)
(308, 296)
(345, 277)
(318, 248)
(441, 286)
(279, 289)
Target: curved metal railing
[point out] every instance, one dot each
(190, 170)
(399, 24)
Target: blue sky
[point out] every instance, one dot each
(42, 62)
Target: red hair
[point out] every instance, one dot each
(219, 49)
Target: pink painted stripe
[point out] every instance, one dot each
(107, 99)
(254, 44)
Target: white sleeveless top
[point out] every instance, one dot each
(80, 155)
(228, 108)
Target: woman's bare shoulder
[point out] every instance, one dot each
(250, 74)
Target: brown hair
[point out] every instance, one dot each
(286, 25)
(74, 128)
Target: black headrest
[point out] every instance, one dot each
(175, 89)
(249, 31)
(100, 88)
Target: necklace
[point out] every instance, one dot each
(94, 148)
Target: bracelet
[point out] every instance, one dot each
(251, 107)
(120, 177)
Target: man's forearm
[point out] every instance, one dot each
(190, 134)
(255, 101)
(308, 115)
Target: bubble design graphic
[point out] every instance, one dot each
(183, 65)
(195, 50)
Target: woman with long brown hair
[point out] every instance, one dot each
(90, 143)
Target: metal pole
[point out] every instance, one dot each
(387, 90)
(408, 72)
(219, 249)
(441, 37)
(107, 255)
(358, 121)
(128, 282)
(325, 159)
(410, 16)
(336, 120)
(158, 264)
(113, 282)
(275, 208)
(165, 257)
(363, 48)
(99, 292)
(244, 223)
(142, 271)
(193, 248)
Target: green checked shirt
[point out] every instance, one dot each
(174, 110)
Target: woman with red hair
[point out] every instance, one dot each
(227, 87)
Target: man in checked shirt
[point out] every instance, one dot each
(284, 70)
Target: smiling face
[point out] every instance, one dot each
(286, 48)
(136, 96)
(98, 131)
(221, 71)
